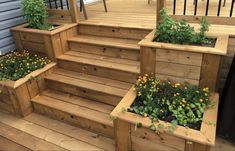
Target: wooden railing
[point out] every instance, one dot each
(62, 9)
(205, 10)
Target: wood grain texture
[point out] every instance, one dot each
(19, 137)
(122, 135)
(209, 71)
(147, 61)
(8, 145)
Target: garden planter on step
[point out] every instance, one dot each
(198, 65)
(129, 137)
(51, 43)
(15, 96)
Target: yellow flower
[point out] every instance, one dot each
(201, 100)
(177, 84)
(206, 89)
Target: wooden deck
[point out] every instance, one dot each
(140, 14)
(37, 132)
(96, 68)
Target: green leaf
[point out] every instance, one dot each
(152, 127)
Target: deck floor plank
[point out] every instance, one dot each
(55, 138)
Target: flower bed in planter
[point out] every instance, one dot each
(52, 43)
(138, 133)
(15, 95)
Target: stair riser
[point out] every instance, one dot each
(82, 92)
(74, 120)
(98, 71)
(105, 51)
(128, 33)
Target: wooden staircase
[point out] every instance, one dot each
(93, 75)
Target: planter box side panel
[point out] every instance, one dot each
(18, 96)
(29, 41)
(178, 66)
(5, 101)
(226, 62)
(145, 139)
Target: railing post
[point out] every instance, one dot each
(74, 10)
(160, 5)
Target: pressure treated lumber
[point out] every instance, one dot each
(106, 41)
(112, 31)
(22, 138)
(83, 117)
(167, 141)
(15, 95)
(72, 131)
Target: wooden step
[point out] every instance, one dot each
(105, 51)
(108, 67)
(72, 131)
(84, 115)
(99, 89)
(106, 42)
(113, 31)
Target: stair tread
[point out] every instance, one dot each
(106, 41)
(104, 58)
(87, 84)
(116, 64)
(73, 109)
(90, 104)
(95, 79)
(72, 131)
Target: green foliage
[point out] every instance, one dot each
(182, 104)
(35, 14)
(180, 32)
(16, 65)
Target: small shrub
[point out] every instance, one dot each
(182, 104)
(35, 13)
(180, 32)
(16, 65)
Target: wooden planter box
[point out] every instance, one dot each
(129, 138)
(197, 65)
(15, 96)
(51, 43)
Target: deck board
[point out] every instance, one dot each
(140, 14)
(15, 136)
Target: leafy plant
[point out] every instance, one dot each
(35, 13)
(180, 32)
(16, 65)
(182, 104)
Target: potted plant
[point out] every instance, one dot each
(162, 115)
(177, 51)
(39, 34)
(22, 78)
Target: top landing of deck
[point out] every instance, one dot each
(139, 14)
